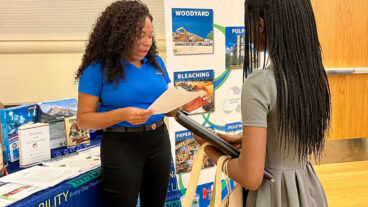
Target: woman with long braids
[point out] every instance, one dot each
(285, 107)
(121, 75)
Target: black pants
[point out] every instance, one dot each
(135, 163)
(245, 195)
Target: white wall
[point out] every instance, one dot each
(39, 70)
(42, 43)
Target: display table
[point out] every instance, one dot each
(83, 190)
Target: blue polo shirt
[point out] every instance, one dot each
(141, 87)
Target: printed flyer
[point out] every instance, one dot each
(192, 31)
(197, 81)
(185, 149)
(235, 47)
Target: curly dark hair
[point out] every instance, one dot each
(303, 93)
(114, 36)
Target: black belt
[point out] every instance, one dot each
(145, 128)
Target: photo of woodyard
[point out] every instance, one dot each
(192, 31)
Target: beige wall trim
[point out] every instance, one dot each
(34, 37)
(345, 71)
(51, 44)
(41, 47)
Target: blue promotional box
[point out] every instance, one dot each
(11, 119)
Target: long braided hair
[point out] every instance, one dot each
(303, 94)
(114, 36)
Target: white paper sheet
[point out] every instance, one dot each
(92, 151)
(84, 161)
(40, 176)
(172, 99)
(12, 192)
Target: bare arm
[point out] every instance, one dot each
(88, 117)
(234, 140)
(248, 169)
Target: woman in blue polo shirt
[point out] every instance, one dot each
(119, 78)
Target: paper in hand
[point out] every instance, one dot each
(172, 99)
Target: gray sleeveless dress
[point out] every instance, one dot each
(296, 183)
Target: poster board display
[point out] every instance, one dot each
(206, 35)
